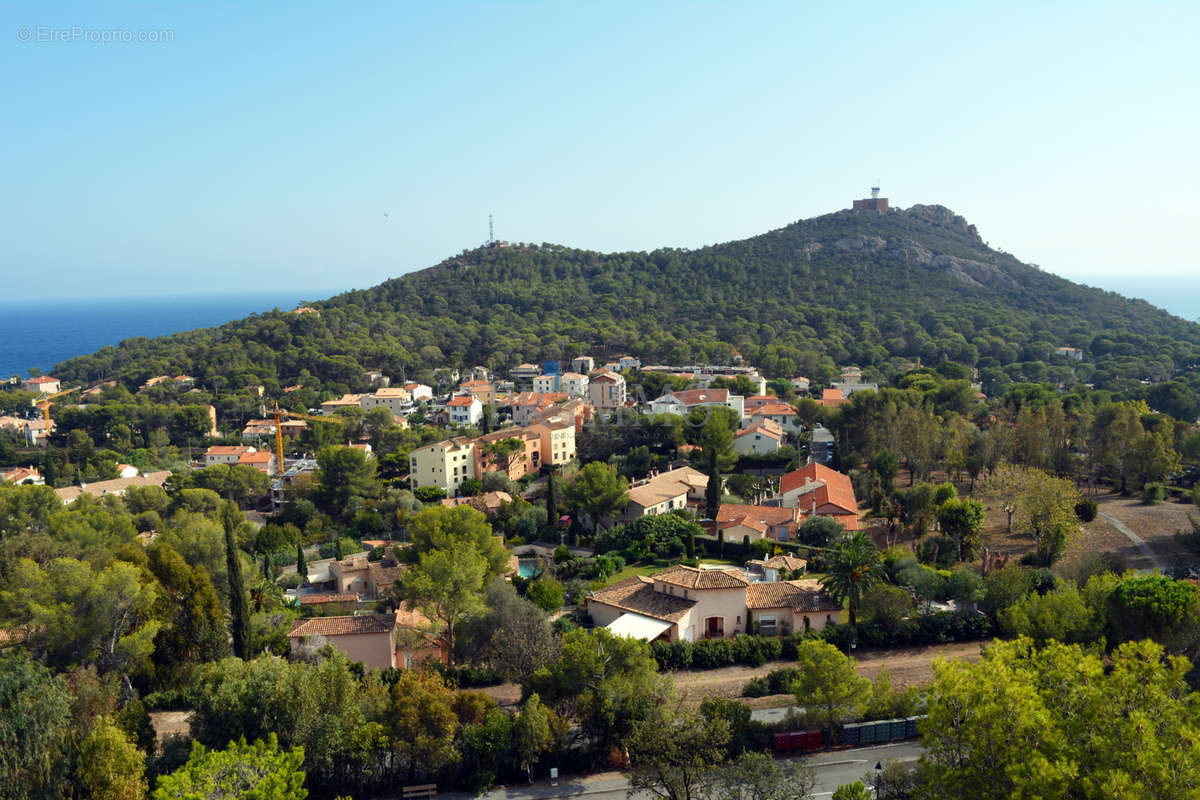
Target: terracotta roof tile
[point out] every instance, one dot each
(637, 594)
(693, 578)
(800, 595)
(342, 626)
(318, 599)
(836, 489)
(771, 515)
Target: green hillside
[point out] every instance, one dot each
(848, 287)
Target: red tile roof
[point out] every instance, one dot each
(459, 402)
(775, 410)
(692, 397)
(770, 515)
(693, 578)
(637, 594)
(832, 397)
(800, 595)
(342, 626)
(833, 491)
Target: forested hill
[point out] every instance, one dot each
(848, 287)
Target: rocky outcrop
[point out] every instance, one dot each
(868, 244)
(941, 216)
(974, 273)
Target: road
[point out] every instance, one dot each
(833, 769)
(1133, 537)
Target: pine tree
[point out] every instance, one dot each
(301, 564)
(239, 613)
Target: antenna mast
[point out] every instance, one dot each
(491, 232)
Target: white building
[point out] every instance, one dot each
(758, 438)
(397, 400)
(465, 410)
(607, 391)
(680, 403)
(419, 392)
(544, 384)
(446, 464)
(573, 383)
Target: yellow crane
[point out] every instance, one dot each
(44, 405)
(280, 413)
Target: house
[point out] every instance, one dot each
(117, 486)
(479, 373)
(573, 383)
(817, 489)
(822, 445)
(260, 428)
(833, 397)
(777, 523)
(800, 385)
(681, 402)
(778, 608)
(556, 437)
(628, 362)
(155, 381)
(375, 377)
(756, 401)
(665, 492)
(544, 384)
(776, 567)
(1071, 354)
(480, 389)
(760, 437)
(23, 476)
(396, 399)
(350, 576)
(225, 454)
(577, 410)
(583, 364)
(419, 392)
(41, 385)
(527, 405)
(262, 460)
(487, 503)
(330, 407)
(781, 414)
(465, 409)
(445, 464)
(183, 381)
(127, 471)
(327, 605)
(37, 432)
(522, 461)
(850, 387)
(606, 390)
(380, 641)
(525, 373)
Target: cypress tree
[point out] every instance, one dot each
(691, 545)
(239, 613)
(712, 492)
(551, 502)
(301, 564)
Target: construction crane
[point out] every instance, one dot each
(44, 405)
(280, 413)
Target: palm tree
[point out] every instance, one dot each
(853, 566)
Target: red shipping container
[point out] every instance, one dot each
(812, 740)
(783, 742)
(797, 741)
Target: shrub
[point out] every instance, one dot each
(1153, 493)
(1086, 510)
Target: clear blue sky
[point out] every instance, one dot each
(263, 147)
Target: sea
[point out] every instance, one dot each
(42, 333)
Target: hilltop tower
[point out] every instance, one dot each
(873, 203)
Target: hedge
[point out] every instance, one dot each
(753, 650)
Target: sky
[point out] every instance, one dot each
(209, 146)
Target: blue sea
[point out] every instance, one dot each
(42, 333)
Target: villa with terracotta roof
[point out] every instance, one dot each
(28, 476)
(401, 639)
(817, 489)
(833, 397)
(226, 454)
(777, 523)
(607, 390)
(42, 385)
(687, 603)
(527, 405)
(345, 401)
(116, 486)
(665, 492)
(465, 409)
(760, 437)
(262, 460)
(781, 414)
(681, 402)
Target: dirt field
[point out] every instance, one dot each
(168, 722)
(908, 666)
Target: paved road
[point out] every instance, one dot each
(833, 769)
(1137, 540)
